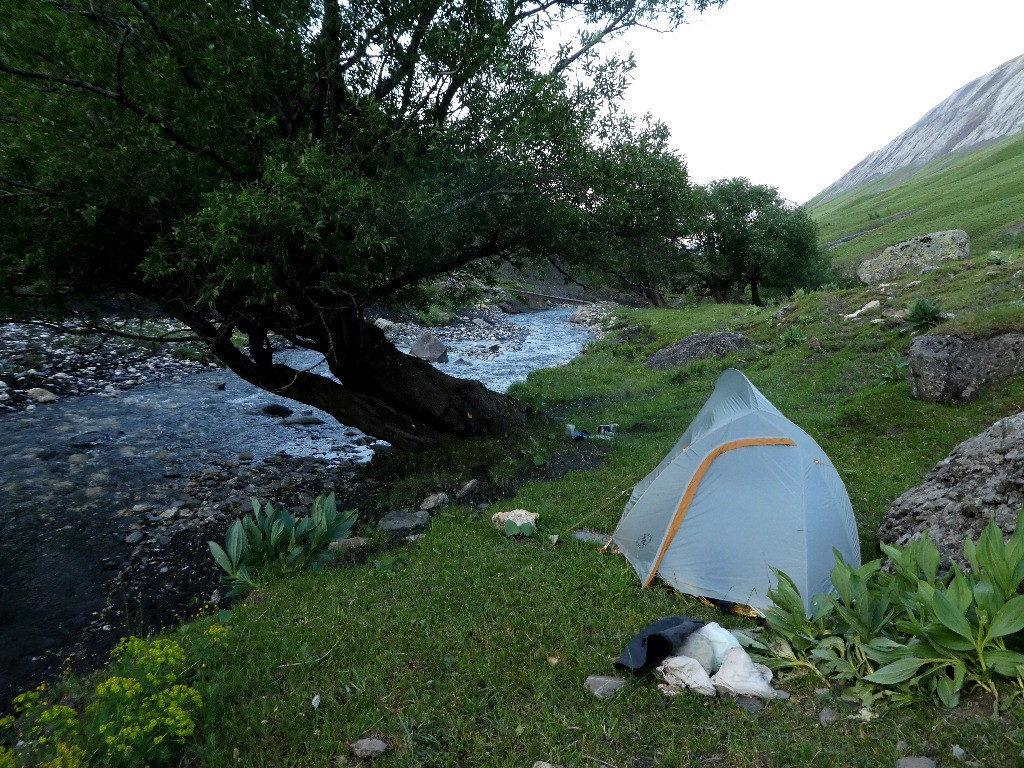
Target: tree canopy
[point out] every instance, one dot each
(748, 235)
(275, 167)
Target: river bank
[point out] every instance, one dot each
(113, 493)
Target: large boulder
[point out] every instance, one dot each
(982, 479)
(697, 347)
(916, 254)
(948, 369)
(430, 348)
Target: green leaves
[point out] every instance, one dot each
(931, 634)
(273, 538)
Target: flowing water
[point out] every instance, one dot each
(70, 470)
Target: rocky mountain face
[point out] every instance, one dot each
(984, 110)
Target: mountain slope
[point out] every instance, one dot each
(978, 191)
(989, 108)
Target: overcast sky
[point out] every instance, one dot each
(794, 93)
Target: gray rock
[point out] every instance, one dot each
(134, 537)
(402, 519)
(604, 686)
(697, 347)
(302, 420)
(916, 254)
(276, 409)
(749, 704)
(959, 753)
(430, 348)
(828, 716)
(433, 501)
(981, 479)
(368, 748)
(915, 762)
(40, 395)
(468, 488)
(948, 369)
(347, 545)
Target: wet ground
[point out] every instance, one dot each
(109, 498)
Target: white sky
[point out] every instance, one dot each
(794, 93)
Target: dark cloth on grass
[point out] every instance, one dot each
(656, 643)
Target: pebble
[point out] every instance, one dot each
(368, 748)
(828, 716)
(915, 762)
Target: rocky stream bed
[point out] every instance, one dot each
(114, 487)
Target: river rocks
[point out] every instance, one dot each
(948, 369)
(697, 347)
(916, 254)
(982, 479)
(430, 348)
(40, 395)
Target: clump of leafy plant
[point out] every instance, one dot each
(893, 368)
(141, 715)
(792, 336)
(274, 538)
(513, 529)
(923, 314)
(912, 632)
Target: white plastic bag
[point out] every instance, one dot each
(700, 648)
(683, 673)
(740, 676)
(722, 641)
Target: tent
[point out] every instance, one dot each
(744, 490)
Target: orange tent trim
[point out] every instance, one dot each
(691, 489)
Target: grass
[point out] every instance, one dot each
(472, 648)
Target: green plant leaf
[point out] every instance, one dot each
(236, 541)
(897, 672)
(1009, 619)
(948, 691)
(221, 557)
(951, 616)
(1005, 663)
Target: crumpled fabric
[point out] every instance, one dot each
(682, 673)
(656, 643)
(741, 676)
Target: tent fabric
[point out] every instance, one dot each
(742, 491)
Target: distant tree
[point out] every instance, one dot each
(748, 235)
(276, 167)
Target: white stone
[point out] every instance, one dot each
(40, 395)
(368, 748)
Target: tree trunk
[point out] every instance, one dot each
(755, 294)
(381, 391)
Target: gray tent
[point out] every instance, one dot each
(742, 491)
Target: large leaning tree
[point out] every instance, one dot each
(262, 168)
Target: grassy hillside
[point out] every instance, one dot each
(981, 193)
(470, 649)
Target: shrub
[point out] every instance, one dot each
(923, 314)
(912, 632)
(142, 715)
(273, 538)
(792, 336)
(893, 368)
